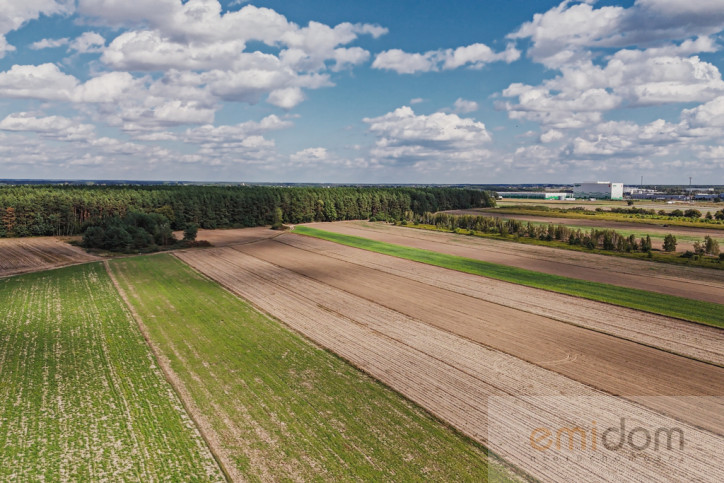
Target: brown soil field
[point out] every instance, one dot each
(616, 366)
(22, 255)
(685, 338)
(690, 282)
(453, 376)
(233, 236)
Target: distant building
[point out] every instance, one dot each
(604, 190)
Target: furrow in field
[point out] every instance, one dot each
(689, 339)
(450, 376)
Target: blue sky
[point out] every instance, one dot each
(335, 91)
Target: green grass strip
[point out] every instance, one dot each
(693, 310)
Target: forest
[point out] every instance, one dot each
(68, 210)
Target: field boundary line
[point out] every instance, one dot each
(184, 397)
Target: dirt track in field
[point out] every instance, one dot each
(690, 282)
(22, 255)
(416, 347)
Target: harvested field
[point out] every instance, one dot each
(81, 397)
(274, 406)
(23, 255)
(616, 366)
(233, 236)
(452, 376)
(688, 282)
(673, 335)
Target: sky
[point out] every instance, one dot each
(425, 91)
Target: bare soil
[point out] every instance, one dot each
(22, 255)
(440, 349)
(233, 236)
(690, 282)
(685, 338)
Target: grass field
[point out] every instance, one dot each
(279, 407)
(81, 397)
(695, 311)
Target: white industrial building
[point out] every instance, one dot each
(599, 190)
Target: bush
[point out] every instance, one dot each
(692, 213)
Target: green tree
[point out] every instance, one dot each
(711, 246)
(190, 232)
(278, 219)
(669, 243)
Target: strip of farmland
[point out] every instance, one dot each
(617, 366)
(22, 255)
(689, 282)
(685, 338)
(449, 375)
(274, 406)
(81, 397)
(703, 312)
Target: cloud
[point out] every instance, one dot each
(566, 33)
(632, 78)
(474, 56)
(88, 42)
(49, 43)
(53, 127)
(407, 138)
(44, 82)
(463, 106)
(14, 14)
(196, 37)
(228, 134)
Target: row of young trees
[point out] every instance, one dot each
(603, 239)
(67, 210)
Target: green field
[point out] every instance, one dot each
(687, 309)
(282, 408)
(81, 397)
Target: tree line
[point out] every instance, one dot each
(601, 239)
(68, 210)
